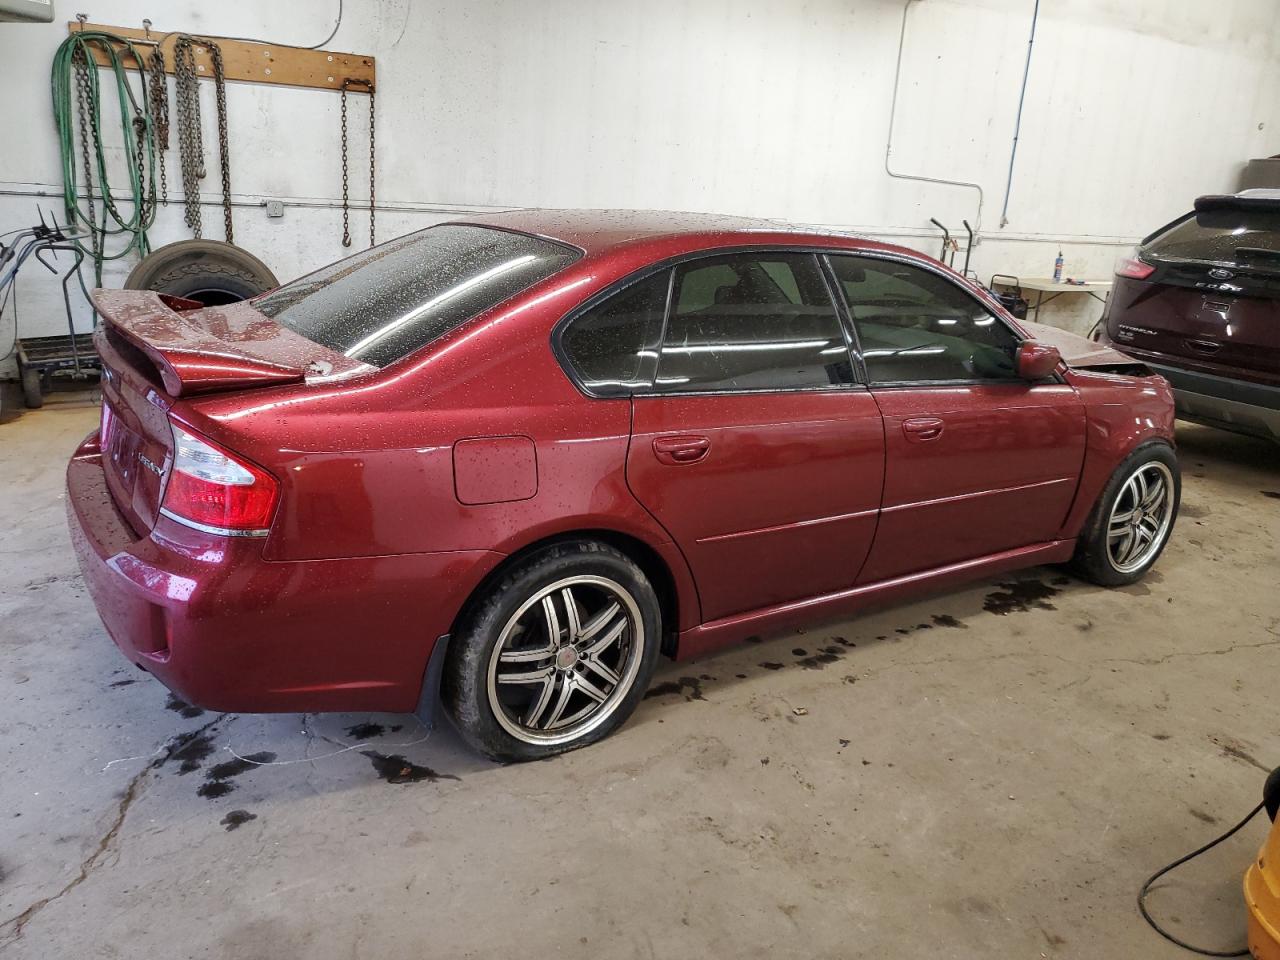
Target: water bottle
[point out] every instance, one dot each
(1057, 268)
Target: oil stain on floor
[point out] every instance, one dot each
(396, 769)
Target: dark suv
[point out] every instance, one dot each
(1199, 302)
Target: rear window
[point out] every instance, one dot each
(382, 304)
(1222, 236)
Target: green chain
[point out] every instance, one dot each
(77, 100)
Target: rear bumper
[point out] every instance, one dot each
(1262, 898)
(1228, 403)
(225, 629)
(1237, 405)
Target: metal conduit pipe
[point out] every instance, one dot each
(1017, 124)
(888, 147)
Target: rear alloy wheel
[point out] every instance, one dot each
(1130, 525)
(565, 659)
(554, 656)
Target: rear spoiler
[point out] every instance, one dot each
(188, 356)
(1257, 200)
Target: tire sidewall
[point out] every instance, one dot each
(464, 685)
(1093, 558)
(189, 266)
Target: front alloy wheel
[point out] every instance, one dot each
(1140, 517)
(1132, 520)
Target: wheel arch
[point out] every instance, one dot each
(647, 557)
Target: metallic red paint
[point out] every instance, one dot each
(1037, 361)
(753, 512)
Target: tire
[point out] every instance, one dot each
(507, 632)
(209, 271)
(32, 388)
(1111, 551)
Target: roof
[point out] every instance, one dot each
(598, 230)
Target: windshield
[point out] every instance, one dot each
(382, 304)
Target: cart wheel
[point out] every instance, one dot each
(32, 392)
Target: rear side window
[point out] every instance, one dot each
(382, 304)
(1221, 236)
(752, 322)
(612, 347)
(917, 327)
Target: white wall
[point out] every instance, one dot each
(777, 109)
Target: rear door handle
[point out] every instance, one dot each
(920, 429)
(676, 450)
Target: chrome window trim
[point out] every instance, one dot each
(823, 253)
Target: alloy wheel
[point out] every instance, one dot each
(565, 659)
(1140, 517)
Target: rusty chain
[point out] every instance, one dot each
(346, 183)
(186, 97)
(190, 133)
(158, 92)
(80, 61)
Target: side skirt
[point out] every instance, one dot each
(717, 634)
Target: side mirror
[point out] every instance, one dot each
(1036, 361)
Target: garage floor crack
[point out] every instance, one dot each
(11, 930)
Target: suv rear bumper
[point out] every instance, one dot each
(1236, 405)
(225, 629)
(1241, 406)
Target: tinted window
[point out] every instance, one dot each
(1224, 236)
(608, 346)
(752, 322)
(384, 303)
(914, 325)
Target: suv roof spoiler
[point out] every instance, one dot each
(1255, 199)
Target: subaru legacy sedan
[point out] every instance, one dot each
(507, 463)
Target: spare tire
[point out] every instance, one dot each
(209, 271)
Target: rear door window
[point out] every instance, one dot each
(382, 304)
(752, 322)
(613, 347)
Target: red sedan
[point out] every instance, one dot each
(508, 462)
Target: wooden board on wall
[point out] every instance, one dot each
(253, 62)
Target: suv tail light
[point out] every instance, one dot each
(1133, 268)
(212, 490)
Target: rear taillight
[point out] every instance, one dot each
(212, 490)
(104, 428)
(1133, 267)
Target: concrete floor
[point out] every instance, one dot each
(987, 773)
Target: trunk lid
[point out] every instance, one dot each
(153, 351)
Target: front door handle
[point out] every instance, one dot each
(920, 429)
(675, 450)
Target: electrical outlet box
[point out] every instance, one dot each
(32, 11)
(275, 208)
